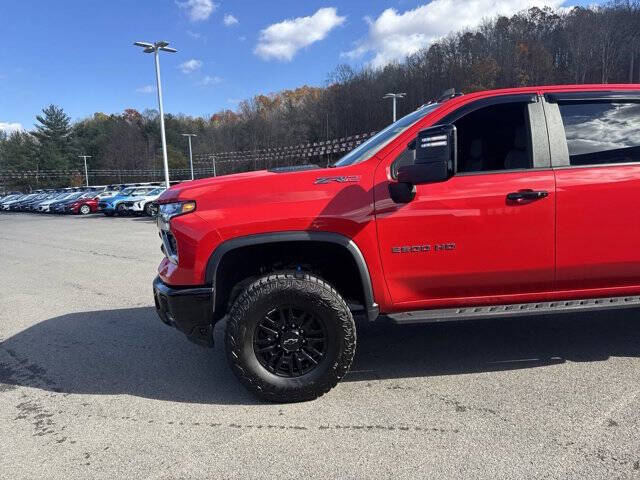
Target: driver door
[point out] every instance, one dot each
(462, 241)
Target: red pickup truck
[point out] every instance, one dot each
(498, 203)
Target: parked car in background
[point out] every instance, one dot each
(6, 203)
(25, 205)
(112, 205)
(60, 206)
(84, 205)
(9, 198)
(14, 205)
(44, 207)
(106, 194)
(33, 206)
(145, 203)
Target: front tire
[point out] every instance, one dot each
(290, 337)
(84, 209)
(150, 210)
(121, 209)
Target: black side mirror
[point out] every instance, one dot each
(436, 149)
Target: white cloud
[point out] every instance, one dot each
(230, 20)
(146, 89)
(282, 40)
(9, 127)
(195, 35)
(190, 66)
(209, 80)
(198, 10)
(393, 35)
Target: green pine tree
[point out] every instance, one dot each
(53, 132)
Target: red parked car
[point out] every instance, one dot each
(498, 203)
(83, 206)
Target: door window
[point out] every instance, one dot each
(494, 138)
(602, 132)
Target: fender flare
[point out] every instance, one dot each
(371, 307)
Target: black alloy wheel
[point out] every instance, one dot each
(289, 341)
(290, 337)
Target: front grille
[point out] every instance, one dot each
(172, 243)
(170, 246)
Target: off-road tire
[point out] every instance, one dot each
(311, 294)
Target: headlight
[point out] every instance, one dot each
(170, 210)
(166, 211)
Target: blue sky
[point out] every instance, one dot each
(79, 54)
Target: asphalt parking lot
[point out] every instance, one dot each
(92, 385)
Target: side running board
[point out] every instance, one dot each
(514, 310)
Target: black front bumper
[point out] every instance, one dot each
(189, 309)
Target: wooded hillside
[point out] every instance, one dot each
(538, 46)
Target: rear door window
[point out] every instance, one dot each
(601, 132)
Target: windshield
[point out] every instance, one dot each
(369, 148)
(125, 192)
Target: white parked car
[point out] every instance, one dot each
(144, 203)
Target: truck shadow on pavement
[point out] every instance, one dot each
(128, 351)
(391, 351)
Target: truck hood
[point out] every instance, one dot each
(196, 187)
(331, 199)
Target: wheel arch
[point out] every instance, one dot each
(268, 239)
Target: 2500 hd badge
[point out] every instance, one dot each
(424, 248)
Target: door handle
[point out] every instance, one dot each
(526, 195)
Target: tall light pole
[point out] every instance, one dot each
(86, 173)
(189, 135)
(155, 49)
(394, 96)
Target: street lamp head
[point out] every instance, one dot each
(189, 135)
(394, 95)
(153, 47)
